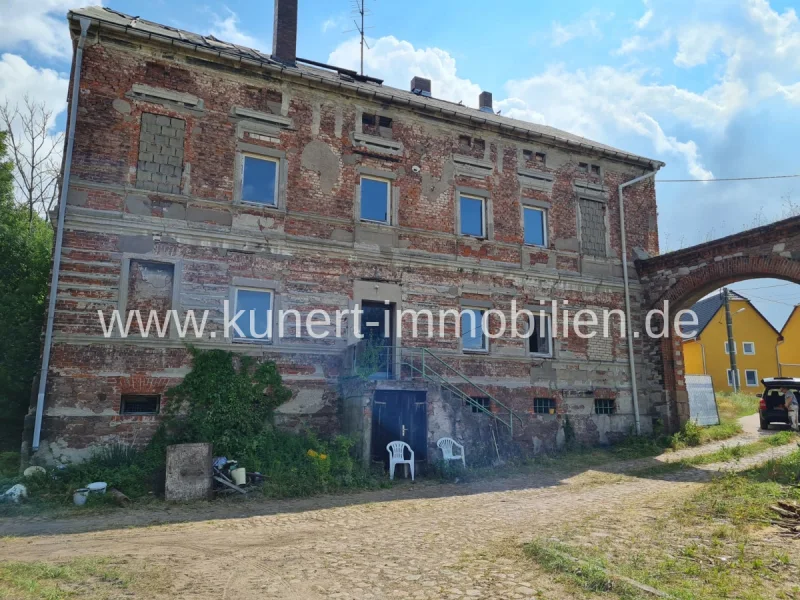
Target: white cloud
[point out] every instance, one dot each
(398, 62)
(644, 21)
(605, 104)
(696, 42)
(227, 30)
(18, 78)
(331, 23)
(38, 25)
(640, 43)
(587, 26)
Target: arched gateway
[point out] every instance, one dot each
(678, 279)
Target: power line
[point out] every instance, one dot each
(727, 179)
(768, 300)
(763, 287)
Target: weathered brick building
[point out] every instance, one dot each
(203, 171)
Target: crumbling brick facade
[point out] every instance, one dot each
(156, 201)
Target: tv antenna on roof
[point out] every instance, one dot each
(361, 11)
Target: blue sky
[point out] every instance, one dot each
(711, 87)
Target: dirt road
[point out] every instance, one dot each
(422, 541)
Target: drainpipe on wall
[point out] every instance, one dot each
(62, 210)
(629, 333)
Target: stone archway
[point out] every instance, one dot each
(678, 279)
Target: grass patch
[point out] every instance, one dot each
(9, 464)
(733, 406)
(706, 547)
(94, 579)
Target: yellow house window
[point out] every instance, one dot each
(749, 348)
(751, 377)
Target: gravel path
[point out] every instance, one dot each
(419, 542)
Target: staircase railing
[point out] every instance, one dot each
(379, 362)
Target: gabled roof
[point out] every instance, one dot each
(791, 315)
(343, 78)
(705, 310)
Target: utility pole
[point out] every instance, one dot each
(731, 342)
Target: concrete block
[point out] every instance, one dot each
(188, 472)
(161, 120)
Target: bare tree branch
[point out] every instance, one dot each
(36, 154)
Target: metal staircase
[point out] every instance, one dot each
(377, 362)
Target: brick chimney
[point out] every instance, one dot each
(284, 32)
(485, 102)
(421, 86)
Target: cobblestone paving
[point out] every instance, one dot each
(420, 542)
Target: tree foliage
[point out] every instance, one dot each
(25, 247)
(226, 399)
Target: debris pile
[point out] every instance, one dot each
(789, 518)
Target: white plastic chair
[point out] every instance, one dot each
(446, 446)
(397, 457)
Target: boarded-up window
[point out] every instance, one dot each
(593, 227)
(160, 165)
(150, 286)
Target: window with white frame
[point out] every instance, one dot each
(535, 225)
(256, 321)
(376, 196)
(749, 348)
(260, 180)
(472, 214)
(751, 377)
(727, 348)
(730, 377)
(540, 342)
(473, 337)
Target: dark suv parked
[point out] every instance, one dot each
(772, 408)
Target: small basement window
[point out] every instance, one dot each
(543, 406)
(478, 402)
(140, 404)
(605, 406)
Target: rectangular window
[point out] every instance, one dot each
(727, 348)
(535, 224)
(730, 378)
(749, 348)
(543, 406)
(605, 406)
(583, 167)
(473, 337)
(751, 377)
(473, 216)
(477, 403)
(595, 169)
(256, 321)
(540, 342)
(139, 404)
(260, 180)
(375, 199)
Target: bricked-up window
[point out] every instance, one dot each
(593, 227)
(150, 288)
(260, 180)
(535, 225)
(605, 406)
(256, 321)
(476, 403)
(139, 404)
(543, 406)
(160, 165)
(473, 336)
(540, 341)
(375, 201)
(473, 216)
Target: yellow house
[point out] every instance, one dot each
(756, 341)
(789, 347)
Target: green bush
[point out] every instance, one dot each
(9, 464)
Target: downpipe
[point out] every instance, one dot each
(626, 283)
(62, 210)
